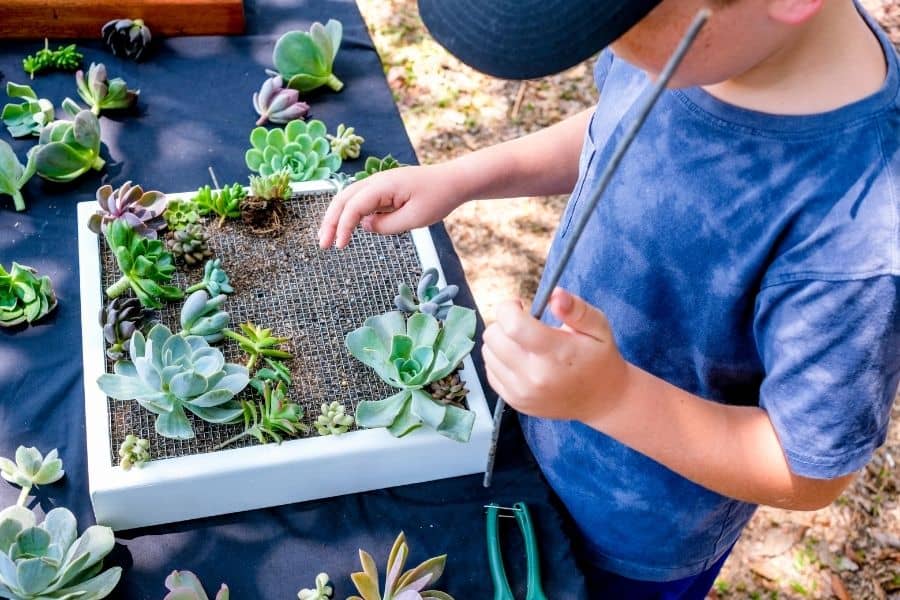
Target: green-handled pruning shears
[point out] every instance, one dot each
(502, 591)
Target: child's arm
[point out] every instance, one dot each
(545, 162)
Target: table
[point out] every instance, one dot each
(195, 111)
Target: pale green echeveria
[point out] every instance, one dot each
(410, 353)
(202, 315)
(68, 149)
(170, 373)
(48, 561)
(13, 175)
(30, 115)
(305, 59)
(300, 147)
(30, 469)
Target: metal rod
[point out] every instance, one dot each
(543, 299)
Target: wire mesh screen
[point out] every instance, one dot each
(312, 296)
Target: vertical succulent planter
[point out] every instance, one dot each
(315, 298)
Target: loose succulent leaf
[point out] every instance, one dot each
(301, 147)
(27, 117)
(374, 165)
(134, 452)
(306, 59)
(278, 104)
(146, 267)
(24, 297)
(201, 315)
(143, 211)
(64, 58)
(345, 143)
(215, 280)
(13, 176)
(101, 93)
(67, 149)
(127, 38)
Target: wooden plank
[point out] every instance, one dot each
(84, 18)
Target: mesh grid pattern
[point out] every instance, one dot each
(286, 283)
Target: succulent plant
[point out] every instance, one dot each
(278, 104)
(145, 265)
(64, 58)
(181, 213)
(323, 591)
(40, 562)
(406, 586)
(134, 452)
(13, 175)
(24, 297)
(226, 203)
(101, 93)
(432, 300)
(126, 37)
(68, 149)
(170, 373)
(332, 420)
(410, 354)
(202, 316)
(30, 469)
(120, 318)
(184, 585)
(276, 373)
(30, 115)
(143, 211)
(276, 186)
(345, 143)
(269, 421)
(215, 279)
(306, 60)
(300, 147)
(376, 165)
(449, 390)
(257, 342)
(190, 245)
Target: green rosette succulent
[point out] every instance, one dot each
(101, 93)
(49, 561)
(190, 245)
(168, 374)
(24, 297)
(305, 59)
(409, 354)
(301, 147)
(146, 266)
(399, 585)
(13, 175)
(30, 115)
(376, 165)
(181, 213)
(201, 315)
(226, 203)
(184, 585)
(332, 419)
(68, 149)
(130, 203)
(215, 279)
(134, 452)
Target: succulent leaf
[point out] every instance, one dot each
(272, 419)
(146, 267)
(68, 149)
(142, 210)
(300, 147)
(399, 585)
(127, 38)
(306, 59)
(277, 372)
(201, 315)
(13, 176)
(30, 115)
(24, 297)
(101, 93)
(31, 468)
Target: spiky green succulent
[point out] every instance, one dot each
(305, 59)
(181, 213)
(345, 143)
(31, 468)
(272, 419)
(134, 452)
(14, 175)
(143, 211)
(323, 590)
(226, 203)
(258, 342)
(202, 315)
(24, 297)
(168, 374)
(215, 279)
(190, 245)
(120, 318)
(301, 147)
(432, 299)
(68, 149)
(276, 186)
(399, 585)
(274, 374)
(145, 265)
(30, 115)
(374, 165)
(184, 585)
(64, 58)
(333, 420)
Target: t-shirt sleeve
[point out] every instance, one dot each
(601, 68)
(831, 351)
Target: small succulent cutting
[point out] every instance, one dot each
(30, 469)
(258, 342)
(101, 93)
(301, 147)
(410, 585)
(345, 143)
(376, 165)
(30, 115)
(170, 373)
(409, 354)
(432, 299)
(145, 265)
(226, 203)
(126, 37)
(215, 279)
(184, 585)
(24, 297)
(332, 420)
(181, 213)
(323, 591)
(278, 104)
(49, 561)
(68, 149)
(449, 390)
(142, 211)
(134, 452)
(64, 58)
(276, 186)
(270, 420)
(120, 318)
(13, 175)
(276, 373)
(202, 315)
(306, 59)
(190, 245)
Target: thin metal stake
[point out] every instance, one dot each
(541, 301)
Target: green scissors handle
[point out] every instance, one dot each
(502, 590)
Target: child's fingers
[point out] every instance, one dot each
(579, 316)
(503, 347)
(501, 378)
(522, 328)
(332, 215)
(367, 199)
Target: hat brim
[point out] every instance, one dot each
(526, 39)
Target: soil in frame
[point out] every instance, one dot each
(312, 296)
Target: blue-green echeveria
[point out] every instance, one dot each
(301, 147)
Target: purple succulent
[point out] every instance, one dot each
(278, 104)
(120, 318)
(141, 210)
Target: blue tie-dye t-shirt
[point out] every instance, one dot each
(750, 259)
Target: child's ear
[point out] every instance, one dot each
(794, 12)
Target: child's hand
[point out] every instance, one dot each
(391, 202)
(574, 372)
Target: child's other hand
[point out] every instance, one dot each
(391, 202)
(573, 372)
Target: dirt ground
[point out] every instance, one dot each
(850, 549)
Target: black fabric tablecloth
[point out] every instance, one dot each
(195, 111)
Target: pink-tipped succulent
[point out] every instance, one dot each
(141, 210)
(278, 104)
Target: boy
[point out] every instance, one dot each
(729, 333)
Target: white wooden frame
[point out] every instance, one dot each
(177, 489)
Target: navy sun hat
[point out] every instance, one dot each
(525, 39)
